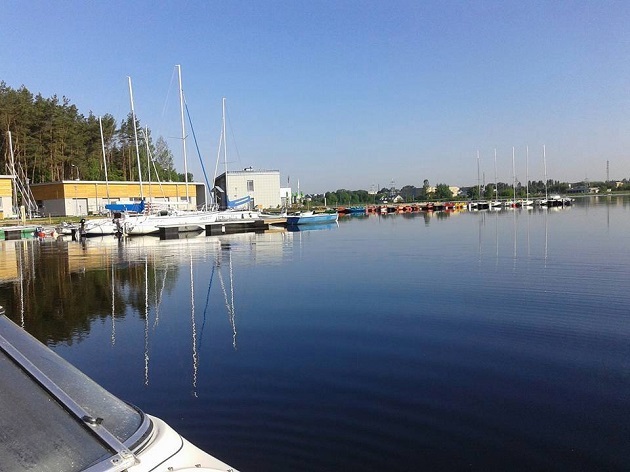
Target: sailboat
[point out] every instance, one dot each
(479, 204)
(495, 204)
(133, 218)
(234, 208)
(553, 200)
(513, 203)
(527, 203)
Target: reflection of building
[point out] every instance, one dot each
(261, 186)
(9, 262)
(82, 197)
(6, 196)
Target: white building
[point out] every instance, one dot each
(261, 186)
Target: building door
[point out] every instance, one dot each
(81, 206)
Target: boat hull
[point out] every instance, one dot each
(314, 219)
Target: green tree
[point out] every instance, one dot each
(443, 192)
(331, 198)
(164, 160)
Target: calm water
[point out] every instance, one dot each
(479, 341)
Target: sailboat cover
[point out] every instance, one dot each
(127, 207)
(238, 202)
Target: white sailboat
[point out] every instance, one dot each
(553, 200)
(513, 203)
(495, 204)
(233, 209)
(479, 204)
(527, 203)
(140, 222)
(543, 202)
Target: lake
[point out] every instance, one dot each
(473, 340)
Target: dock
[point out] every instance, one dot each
(226, 227)
(13, 233)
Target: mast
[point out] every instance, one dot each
(100, 125)
(181, 107)
(527, 175)
(12, 163)
(135, 133)
(216, 167)
(224, 142)
(545, 164)
(146, 143)
(478, 181)
(496, 183)
(223, 133)
(513, 177)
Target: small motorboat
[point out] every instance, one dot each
(310, 218)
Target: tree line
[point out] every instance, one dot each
(52, 141)
(442, 192)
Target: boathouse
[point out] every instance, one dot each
(248, 188)
(84, 197)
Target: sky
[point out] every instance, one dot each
(347, 94)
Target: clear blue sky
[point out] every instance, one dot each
(348, 94)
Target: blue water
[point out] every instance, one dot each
(478, 341)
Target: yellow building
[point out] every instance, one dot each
(82, 197)
(6, 196)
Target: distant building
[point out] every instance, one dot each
(84, 197)
(454, 190)
(285, 197)
(582, 188)
(255, 188)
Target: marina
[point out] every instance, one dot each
(473, 339)
(403, 246)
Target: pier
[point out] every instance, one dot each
(225, 227)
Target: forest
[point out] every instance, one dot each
(53, 141)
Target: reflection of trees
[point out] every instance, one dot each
(60, 305)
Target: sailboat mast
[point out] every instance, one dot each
(224, 136)
(135, 133)
(181, 107)
(513, 176)
(224, 142)
(12, 162)
(545, 164)
(478, 181)
(527, 173)
(496, 184)
(146, 143)
(100, 125)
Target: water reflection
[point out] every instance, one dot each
(431, 343)
(315, 227)
(57, 288)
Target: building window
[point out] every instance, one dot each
(250, 185)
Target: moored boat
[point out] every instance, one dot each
(309, 217)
